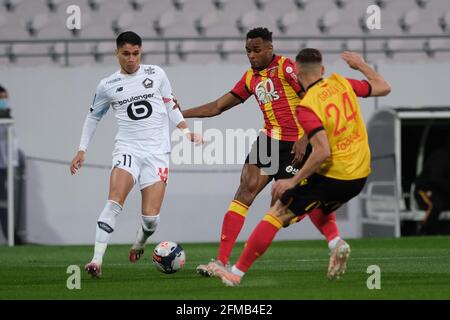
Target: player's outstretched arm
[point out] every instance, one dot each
(77, 162)
(214, 108)
(380, 87)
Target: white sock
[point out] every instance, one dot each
(332, 244)
(105, 227)
(237, 272)
(146, 229)
(99, 251)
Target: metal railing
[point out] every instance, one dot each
(172, 46)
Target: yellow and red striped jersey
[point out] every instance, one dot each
(276, 90)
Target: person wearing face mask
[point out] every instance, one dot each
(4, 103)
(19, 171)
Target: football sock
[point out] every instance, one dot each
(147, 228)
(332, 244)
(105, 226)
(237, 272)
(259, 241)
(232, 224)
(325, 223)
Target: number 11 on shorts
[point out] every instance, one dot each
(125, 157)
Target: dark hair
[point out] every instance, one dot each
(2, 89)
(128, 37)
(260, 32)
(309, 55)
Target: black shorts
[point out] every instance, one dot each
(274, 157)
(321, 192)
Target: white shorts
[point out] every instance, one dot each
(146, 169)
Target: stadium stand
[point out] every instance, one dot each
(191, 31)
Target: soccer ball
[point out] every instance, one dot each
(168, 257)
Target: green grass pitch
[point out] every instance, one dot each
(411, 268)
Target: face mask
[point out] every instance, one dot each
(4, 104)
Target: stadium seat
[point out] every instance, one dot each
(101, 50)
(352, 45)
(42, 19)
(288, 48)
(36, 23)
(260, 4)
(432, 46)
(122, 22)
(56, 51)
(53, 5)
(3, 19)
(163, 22)
(327, 21)
(178, 4)
(219, 4)
(285, 21)
(95, 5)
(11, 5)
(251, 19)
(204, 22)
(226, 48)
(408, 19)
(137, 5)
(341, 4)
(444, 21)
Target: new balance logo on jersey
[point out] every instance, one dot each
(147, 83)
(265, 91)
(119, 89)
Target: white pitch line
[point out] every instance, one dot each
(371, 258)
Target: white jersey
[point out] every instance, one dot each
(142, 103)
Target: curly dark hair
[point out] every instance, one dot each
(260, 32)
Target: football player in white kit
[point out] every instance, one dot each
(141, 96)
